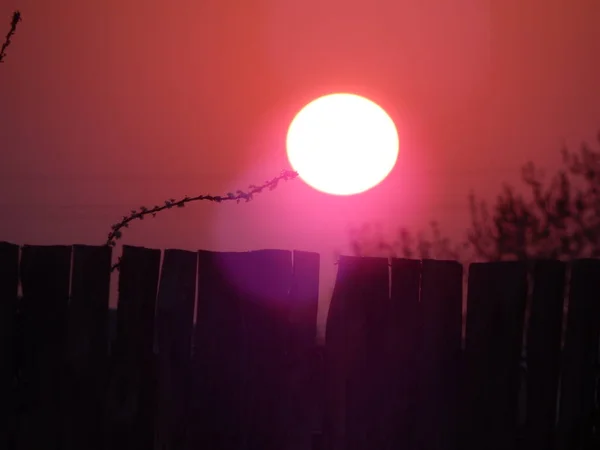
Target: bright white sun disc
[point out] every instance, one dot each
(342, 144)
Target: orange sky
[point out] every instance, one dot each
(107, 105)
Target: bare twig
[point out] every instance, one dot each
(116, 232)
(16, 18)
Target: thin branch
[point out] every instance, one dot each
(116, 232)
(16, 18)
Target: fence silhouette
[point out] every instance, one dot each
(246, 374)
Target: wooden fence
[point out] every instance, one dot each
(246, 373)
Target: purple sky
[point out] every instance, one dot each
(108, 105)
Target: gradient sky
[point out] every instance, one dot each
(107, 105)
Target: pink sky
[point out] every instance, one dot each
(108, 105)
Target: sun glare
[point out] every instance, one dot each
(342, 144)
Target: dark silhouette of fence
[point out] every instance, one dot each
(394, 373)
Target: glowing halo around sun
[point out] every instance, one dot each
(342, 144)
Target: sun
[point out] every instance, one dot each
(342, 144)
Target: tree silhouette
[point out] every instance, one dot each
(558, 219)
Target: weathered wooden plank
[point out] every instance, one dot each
(403, 347)
(131, 391)
(264, 284)
(218, 365)
(87, 348)
(440, 345)
(580, 355)
(239, 355)
(356, 344)
(174, 323)
(45, 276)
(9, 281)
(302, 394)
(543, 353)
(495, 314)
